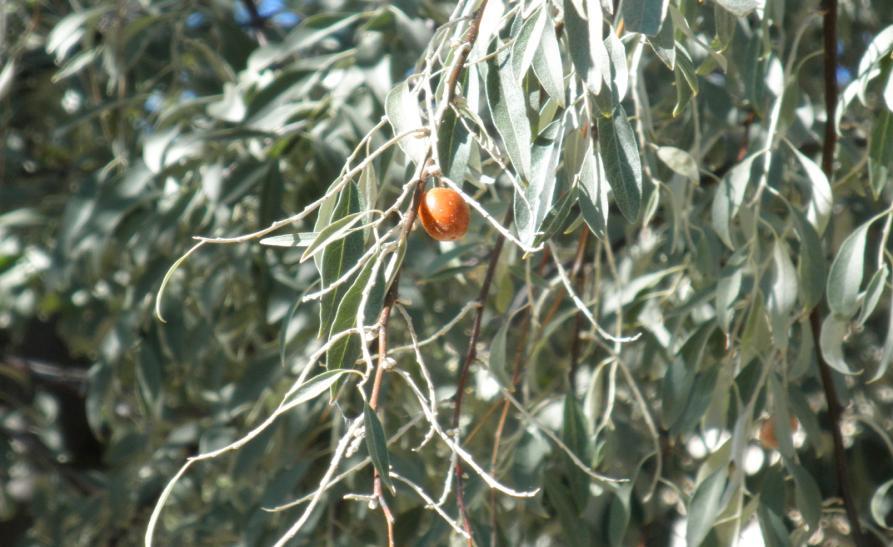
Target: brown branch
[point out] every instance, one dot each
(408, 222)
(470, 354)
(834, 409)
(257, 22)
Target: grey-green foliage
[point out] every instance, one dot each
(685, 144)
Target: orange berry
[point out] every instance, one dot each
(444, 214)
(767, 432)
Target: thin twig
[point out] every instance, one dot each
(469, 358)
(829, 33)
(408, 221)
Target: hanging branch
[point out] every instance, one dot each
(409, 220)
(469, 358)
(834, 409)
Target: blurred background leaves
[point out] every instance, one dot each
(128, 127)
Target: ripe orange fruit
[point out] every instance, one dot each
(444, 214)
(767, 432)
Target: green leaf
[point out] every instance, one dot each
(771, 510)
(531, 211)
(7, 78)
(377, 445)
(808, 496)
(820, 200)
(69, 31)
(845, 275)
(309, 33)
(339, 257)
(781, 418)
(575, 436)
(664, 44)
(727, 289)
(877, 49)
(680, 161)
(404, 114)
(617, 143)
(454, 147)
(340, 352)
(888, 92)
(335, 231)
(587, 51)
(873, 294)
(644, 16)
(728, 199)
(782, 293)
(880, 152)
(593, 193)
(696, 401)
(882, 505)
(498, 364)
(741, 8)
(686, 79)
(313, 388)
(705, 507)
(300, 239)
(527, 42)
(618, 515)
(548, 65)
(508, 109)
(887, 352)
(811, 266)
(834, 330)
(576, 532)
(618, 74)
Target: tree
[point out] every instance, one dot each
(669, 321)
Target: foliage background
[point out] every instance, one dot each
(128, 127)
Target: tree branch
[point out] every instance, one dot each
(470, 354)
(834, 409)
(408, 221)
(257, 22)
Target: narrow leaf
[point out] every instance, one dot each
(808, 496)
(339, 257)
(313, 388)
(705, 507)
(377, 445)
(834, 330)
(531, 211)
(527, 42)
(404, 114)
(581, 45)
(811, 265)
(882, 505)
(873, 294)
(548, 66)
(845, 275)
(620, 152)
(820, 200)
(593, 191)
(331, 233)
(680, 161)
(645, 16)
(782, 294)
(509, 112)
(346, 317)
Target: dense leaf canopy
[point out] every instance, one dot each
(669, 322)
